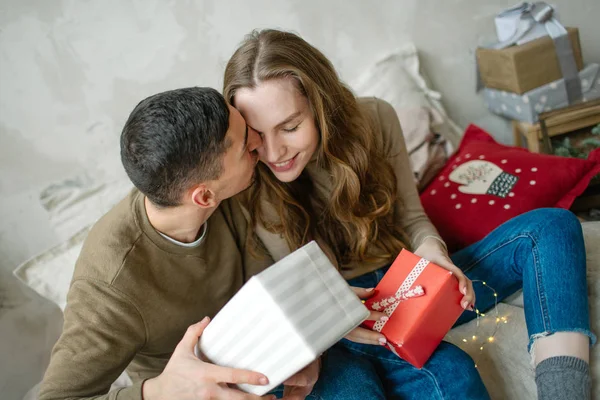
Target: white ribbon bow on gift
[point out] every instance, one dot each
(388, 302)
(404, 292)
(532, 14)
(522, 18)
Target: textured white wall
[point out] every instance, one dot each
(72, 70)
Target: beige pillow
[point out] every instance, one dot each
(397, 79)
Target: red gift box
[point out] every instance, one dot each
(422, 300)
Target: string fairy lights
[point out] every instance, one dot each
(489, 339)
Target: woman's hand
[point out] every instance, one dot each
(364, 335)
(433, 250)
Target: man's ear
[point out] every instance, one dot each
(204, 197)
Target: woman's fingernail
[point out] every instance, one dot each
(384, 318)
(204, 319)
(370, 289)
(464, 291)
(464, 304)
(382, 341)
(263, 380)
(471, 307)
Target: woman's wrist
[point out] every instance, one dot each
(432, 240)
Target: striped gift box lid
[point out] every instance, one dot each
(283, 318)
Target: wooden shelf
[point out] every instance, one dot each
(557, 122)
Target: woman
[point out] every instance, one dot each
(335, 169)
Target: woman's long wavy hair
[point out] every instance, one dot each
(359, 211)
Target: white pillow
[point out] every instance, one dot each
(396, 79)
(50, 273)
(74, 205)
(80, 201)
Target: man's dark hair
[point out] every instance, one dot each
(173, 140)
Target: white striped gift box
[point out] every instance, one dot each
(283, 318)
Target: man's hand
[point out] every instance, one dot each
(432, 250)
(188, 378)
(364, 335)
(298, 386)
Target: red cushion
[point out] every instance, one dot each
(486, 183)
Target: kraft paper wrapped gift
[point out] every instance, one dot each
(549, 97)
(518, 69)
(283, 318)
(422, 300)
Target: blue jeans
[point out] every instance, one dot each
(543, 253)
(353, 371)
(343, 376)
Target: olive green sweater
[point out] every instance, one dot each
(133, 295)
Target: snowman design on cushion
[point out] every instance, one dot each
(483, 177)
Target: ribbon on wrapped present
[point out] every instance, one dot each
(390, 304)
(517, 25)
(404, 292)
(552, 96)
(525, 22)
(422, 301)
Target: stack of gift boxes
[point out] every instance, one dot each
(523, 74)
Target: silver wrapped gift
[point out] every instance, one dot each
(551, 96)
(283, 318)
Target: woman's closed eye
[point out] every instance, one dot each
(294, 129)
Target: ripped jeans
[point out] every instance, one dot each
(543, 253)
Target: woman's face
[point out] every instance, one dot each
(282, 116)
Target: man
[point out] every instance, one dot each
(169, 254)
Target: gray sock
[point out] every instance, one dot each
(564, 378)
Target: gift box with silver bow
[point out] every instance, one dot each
(283, 318)
(551, 96)
(517, 63)
(510, 23)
